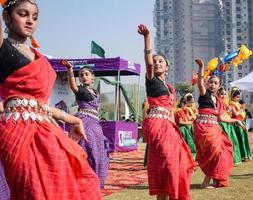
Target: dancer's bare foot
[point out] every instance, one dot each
(204, 186)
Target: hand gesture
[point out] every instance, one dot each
(77, 132)
(67, 64)
(200, 63)
(143, 30)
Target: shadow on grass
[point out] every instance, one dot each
(195, 186)
(242, 176)
(138, 187)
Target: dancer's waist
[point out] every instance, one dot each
(89, 112)
(207, 119)
(161, 113)
(26, 109)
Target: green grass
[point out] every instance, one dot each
(240, 187)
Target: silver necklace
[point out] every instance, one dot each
(18, 45)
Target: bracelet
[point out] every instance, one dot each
(147, 51)
(62, 115)
(200, 76)
(70, 75)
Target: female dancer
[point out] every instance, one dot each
(190, 108)
(185, 125)
(228, 127)
(238, 113)
(170, 163)
(88, 102)
(214, 149)
(39, 160)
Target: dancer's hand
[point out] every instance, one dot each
(200, 63)
(77, 132)
(67, 64)
(143, 30)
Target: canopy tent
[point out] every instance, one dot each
(122, 135)
(102, 67)
(245, 83)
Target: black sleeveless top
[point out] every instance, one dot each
(83, 94)
(156, 88)
(10, 60)
(206, 101)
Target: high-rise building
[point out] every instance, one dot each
(238, 30)
(186, 30)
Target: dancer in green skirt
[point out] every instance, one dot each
(238, 112)
(228, 128)
(185, 125)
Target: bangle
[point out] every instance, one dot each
(62, 115)
(147, 51)
(71, 75)
(200, 76)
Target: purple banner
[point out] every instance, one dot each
(101, 66)
(121, 135)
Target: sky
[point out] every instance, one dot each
(67, 27)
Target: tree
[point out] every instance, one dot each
(183, 88)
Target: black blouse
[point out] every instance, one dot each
(10, 60)
(206, 101)
(156, 87)
(83, 94)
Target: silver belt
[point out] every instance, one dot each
(207, 119)
(161, 113)
(26, 109)
(89, 112)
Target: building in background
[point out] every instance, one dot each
(189, 29)
(185, 30)
(238, 25)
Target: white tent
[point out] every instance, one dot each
(245, 83)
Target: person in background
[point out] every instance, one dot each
(185, 125)
(170, 163)
(228, 128)
(190, 108)
(87, 98)
(214, 149)
(238, 113)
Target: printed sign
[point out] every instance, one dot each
(126, 138)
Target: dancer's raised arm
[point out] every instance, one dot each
(71, 77)
(201, 86)
(143, 30)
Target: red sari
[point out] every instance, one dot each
(170, 163)
(40, 161)
(214, 149)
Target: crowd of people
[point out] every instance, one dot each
(40, 161)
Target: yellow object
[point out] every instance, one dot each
(244, 54)
(212, 64)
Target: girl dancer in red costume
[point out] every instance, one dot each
(170, 163)
(39, 160)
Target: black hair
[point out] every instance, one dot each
(189, 98)
(164, 57)
(182, 102)
(235, 93)
(86, 68)
(215, 76)
(10, 5)
(222, 88)
(241, 101)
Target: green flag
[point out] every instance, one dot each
(96, 49)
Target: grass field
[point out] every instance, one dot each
(240, 188)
